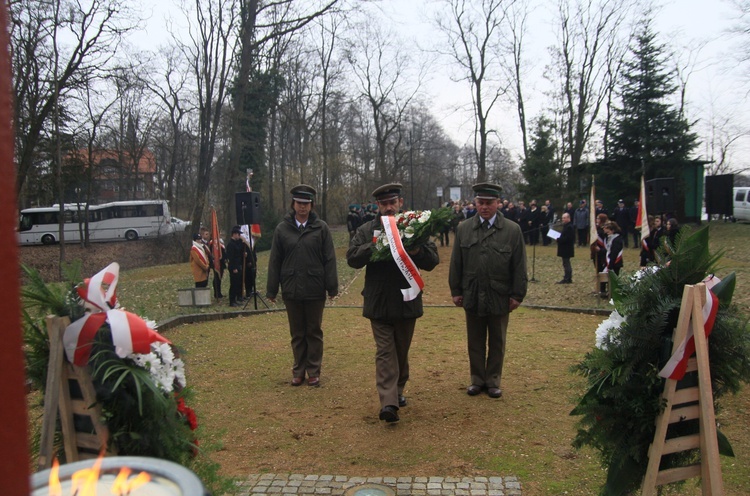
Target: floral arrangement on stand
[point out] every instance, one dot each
(620, 405)
(416, 228)
(138, 377)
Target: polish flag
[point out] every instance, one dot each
(641, 222)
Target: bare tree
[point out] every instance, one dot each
(170, 87)
(475, 34)
(518, 13)
(382, 71)
(89, 133)
(211, 53)
(330, 72)
(92, 32)
(589, 39)
(722, 135)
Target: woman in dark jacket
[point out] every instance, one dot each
(566, 248)
(615, 245)
(303, 261)
(673, 228)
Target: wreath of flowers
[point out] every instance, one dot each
(416, 227)
(619, 407)
(142, 395)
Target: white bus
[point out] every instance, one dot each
(120, 220)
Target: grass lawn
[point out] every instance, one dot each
(240, 368)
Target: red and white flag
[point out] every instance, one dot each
(677, 364)
(254, 228)
(641, 222)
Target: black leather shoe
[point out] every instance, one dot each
(389, 414)
(494, 392)
(402, 400)
(473, 390)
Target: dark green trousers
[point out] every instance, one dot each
(305, 321)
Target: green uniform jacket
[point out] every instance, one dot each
(488, 266)
(304, 263)
(383, 280)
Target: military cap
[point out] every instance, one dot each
(236, 230)
(387, 192)
(303, 193)
(487, 191)
(196, 237)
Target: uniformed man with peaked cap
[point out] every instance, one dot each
(392, 319)
(487, 278)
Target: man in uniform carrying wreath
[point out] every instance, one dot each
(488, 279)
(391, 317)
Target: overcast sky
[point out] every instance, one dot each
(715, 86)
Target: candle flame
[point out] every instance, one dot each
(124, 486)
(55, 488)
(85, 481)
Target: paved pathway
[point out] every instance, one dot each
(413, 486)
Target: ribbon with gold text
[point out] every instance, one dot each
(403, 260)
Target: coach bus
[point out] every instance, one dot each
(120, 220)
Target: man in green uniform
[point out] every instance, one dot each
(488, 279)
(392, 319)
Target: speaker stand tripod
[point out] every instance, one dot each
(255, 295)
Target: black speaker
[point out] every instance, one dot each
(719, 194)
(660, 195)
(247, 206)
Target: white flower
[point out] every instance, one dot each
(162, 365)
(408, 232)
(424, 216)
(643, 272)
(606, 332)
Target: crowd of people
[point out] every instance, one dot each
(487, 273)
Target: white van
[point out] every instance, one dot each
(741, 204)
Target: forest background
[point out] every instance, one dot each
(333, 94)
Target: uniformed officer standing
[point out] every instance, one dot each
(303, 261)
(392, 319)
(488, 279)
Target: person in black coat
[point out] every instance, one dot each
(650, 244)
(621, 215)
(599, 250)
(235, 254)
(615, 245)
(673, 227)
(534, 219)
(632, 219)
(566, 248)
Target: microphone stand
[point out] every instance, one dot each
(254, 274)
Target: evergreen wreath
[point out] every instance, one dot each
(142, 395)
(620, 405)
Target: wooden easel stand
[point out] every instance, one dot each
(57, 398)
(681, 406)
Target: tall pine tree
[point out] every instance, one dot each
(649, 134)
(540, 169)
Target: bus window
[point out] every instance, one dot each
(26, 223)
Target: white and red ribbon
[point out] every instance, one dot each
(402, 259)
(130, 333)
(677, 364)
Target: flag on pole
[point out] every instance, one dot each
(255, 228)
(641, 222)
(592, 213)
(215, 244)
